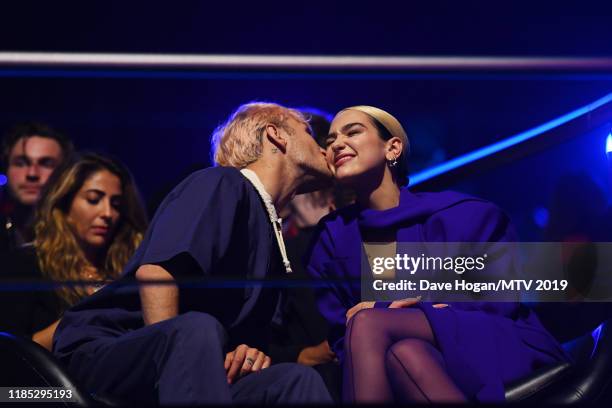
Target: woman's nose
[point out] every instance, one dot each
(107, 211)
(337, 145)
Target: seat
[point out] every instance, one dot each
(588, 379)
(26, 364)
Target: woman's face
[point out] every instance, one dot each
(94, 212)
(354, 147)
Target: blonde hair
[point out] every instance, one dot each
(388, 126)
(239, 141)
(60, 257)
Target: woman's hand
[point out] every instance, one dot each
(398, 304)
(314, 355)
(244, 360)
(356, 308)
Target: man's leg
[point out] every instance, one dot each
(285, 383)
(176, 361)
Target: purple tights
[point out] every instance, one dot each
(391, 356)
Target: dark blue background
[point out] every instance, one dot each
(159, 122)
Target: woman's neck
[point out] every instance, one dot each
(93, 258)
(381, 197)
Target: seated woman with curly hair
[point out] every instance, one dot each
(88, 225)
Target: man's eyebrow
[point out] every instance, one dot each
(46, 158)
(20, 157)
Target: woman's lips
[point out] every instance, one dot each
(99, 230)
(343, 159)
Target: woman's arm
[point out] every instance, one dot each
(44, 337)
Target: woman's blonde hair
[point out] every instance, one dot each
(60, 257)
(239, 141)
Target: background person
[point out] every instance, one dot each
(87, 227)
(29, 154)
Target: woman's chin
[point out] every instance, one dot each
(347, 178)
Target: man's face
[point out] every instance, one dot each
(306, 153)
(31, 162)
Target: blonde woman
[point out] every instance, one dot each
(88, 225)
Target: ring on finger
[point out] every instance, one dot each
(250, 360)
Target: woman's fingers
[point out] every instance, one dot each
(356, 308)
(398, 304)
(440, 305)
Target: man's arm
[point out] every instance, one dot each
(159, 301)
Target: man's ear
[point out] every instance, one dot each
(276, 136)
(394, 148)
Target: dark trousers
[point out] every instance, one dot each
(180, 361)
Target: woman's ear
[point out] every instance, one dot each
(394, 147)
(276, 137)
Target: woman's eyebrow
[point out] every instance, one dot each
(345, 128)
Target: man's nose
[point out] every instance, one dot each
(33, 173)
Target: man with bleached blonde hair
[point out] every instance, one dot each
(191, 331)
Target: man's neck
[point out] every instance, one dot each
(277, 181)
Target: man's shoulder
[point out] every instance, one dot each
(212, 174)
(210, 179)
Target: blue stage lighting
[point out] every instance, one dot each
(609, 143)
(3, 179)
(596, 334)
(506, 143)
(540, 217)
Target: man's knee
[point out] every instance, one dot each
(198, 326)
(297, 372)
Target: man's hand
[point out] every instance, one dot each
(244, 360)
(314, 355)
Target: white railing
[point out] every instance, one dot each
(306, 62)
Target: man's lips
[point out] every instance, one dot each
(343, 158)
(30, 189)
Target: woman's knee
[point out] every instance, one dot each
(410, 356)
(365, 320)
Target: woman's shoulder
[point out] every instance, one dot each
(465, 217)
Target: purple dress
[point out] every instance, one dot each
(484, 345)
